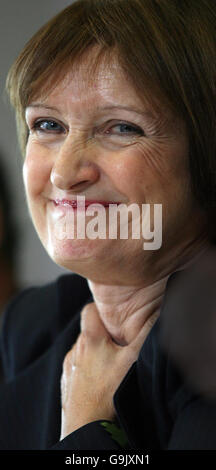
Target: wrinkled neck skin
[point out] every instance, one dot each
(124, 309)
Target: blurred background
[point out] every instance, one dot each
(19, 20)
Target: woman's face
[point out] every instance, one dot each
(102, 142)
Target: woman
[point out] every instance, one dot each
(114, 103)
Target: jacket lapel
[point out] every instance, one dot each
(133, 400)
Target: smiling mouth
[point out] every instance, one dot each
(74, 204)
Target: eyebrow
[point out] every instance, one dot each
(129, 108)
(41, 105)
(104, 108)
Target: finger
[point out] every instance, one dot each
(137, 343)
(69, 359)
(91, 323)
(63, 385)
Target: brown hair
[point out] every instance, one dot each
(164, 46)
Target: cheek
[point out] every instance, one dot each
(36, 171)
(150, 172)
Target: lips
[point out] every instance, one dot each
(76, 204)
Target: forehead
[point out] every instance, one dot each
(79, 83)
(94, 85)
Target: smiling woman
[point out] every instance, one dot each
(115, 103)
(77, 145)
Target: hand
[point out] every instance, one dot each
(93, 370)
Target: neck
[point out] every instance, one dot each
(124, 309)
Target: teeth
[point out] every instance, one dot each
(72, 204)
(58, 202)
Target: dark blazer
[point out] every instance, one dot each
(154, 407)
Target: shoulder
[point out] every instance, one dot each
(35, 317)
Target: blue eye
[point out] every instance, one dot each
(48, 125)
(124, 129)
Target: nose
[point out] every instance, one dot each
(74, 167)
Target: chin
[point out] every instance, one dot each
(88, 258)
(71, 254)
